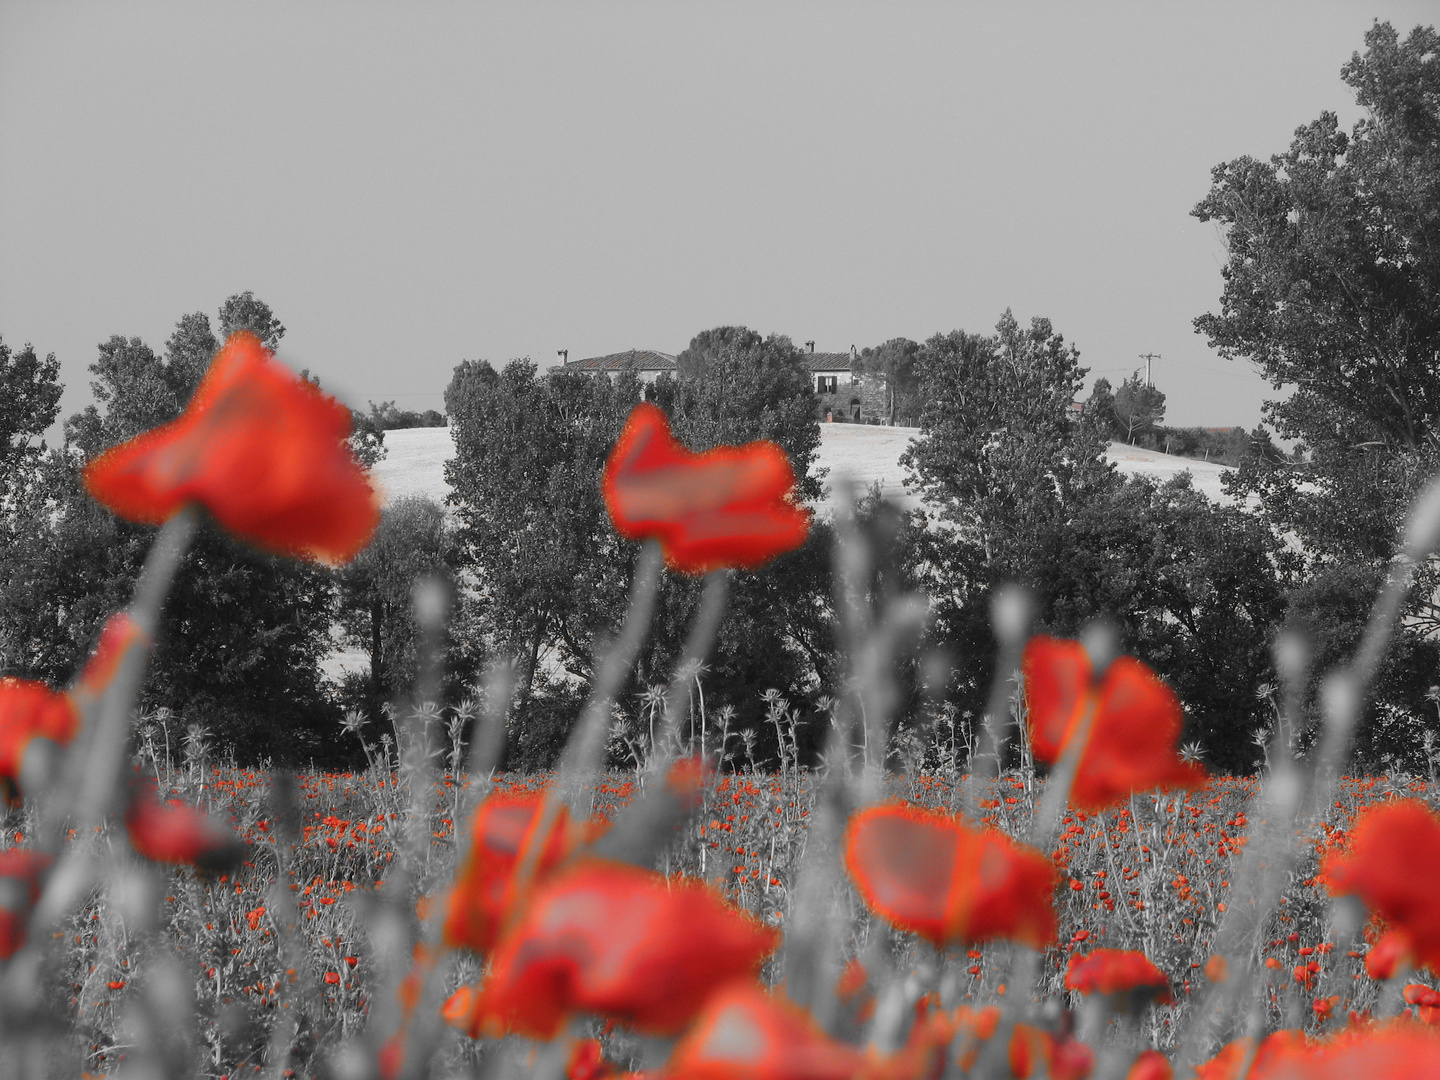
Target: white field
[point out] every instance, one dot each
(415, 459)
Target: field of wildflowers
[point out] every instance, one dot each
(1115, 914)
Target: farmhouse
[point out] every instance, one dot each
(647, 363)
(845, 394)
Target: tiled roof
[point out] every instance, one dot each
(640, 359)
(828, 361)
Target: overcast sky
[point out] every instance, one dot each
(409, 185)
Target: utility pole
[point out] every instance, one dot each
(1147, 357)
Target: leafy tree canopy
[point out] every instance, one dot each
(29, 402)
(1332, 290)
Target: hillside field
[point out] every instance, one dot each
(415, 459)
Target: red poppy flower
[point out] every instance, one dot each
(506, 831)
(1150, 1065)
(176, 832)
(1393, 865)
(1279, 1054)
(745, 1033)
(1117, 971)
(1133, 732)
(730, 506)
(614, 939)
(30, 710)
(23, 869)
(260, 448)
(1398, 1050)
(925, 871)
(1064, 1058)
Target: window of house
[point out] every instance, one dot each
(826, 384)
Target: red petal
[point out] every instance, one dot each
(1132, 735)
(726, 507)
(594, 938)
(505, 831)
(746, 1034)
(176, 832)
(30, 710)
(1057, 679)
(262, 449)
(927, 872)
(1115, 971)
(1393, 865)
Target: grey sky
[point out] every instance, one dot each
(409, 185)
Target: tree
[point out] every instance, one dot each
(551, 576)
(1001, 452)
(1331, 288)
(1138, 407)
(894, 364)
(376, 605)
(29, 402)
(243, 632)
(548, 571)
(1022, 493)
(1101, 405)
(188, 352)
(735, 386)
(243, 312)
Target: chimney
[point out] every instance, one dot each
(852, 354)
(564, 355)
(811, 346)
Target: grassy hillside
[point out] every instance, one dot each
(414, 464)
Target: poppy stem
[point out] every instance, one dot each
(582, 757)
(1010, 615)
(697, 647)
(94, 767)
(97, 772)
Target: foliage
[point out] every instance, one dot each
(387, 417)
(1139, 407)
(29, 402)
(412, 543)
(1332, 290)
(734, 387)
(1024, 495)
(534, 539)
(244, 632)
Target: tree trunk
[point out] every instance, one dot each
(377, 665)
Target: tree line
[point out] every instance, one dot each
(1015, 485)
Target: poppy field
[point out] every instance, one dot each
(1077, 899)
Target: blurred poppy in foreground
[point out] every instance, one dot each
(30, 710)
(727, 507)
(1133, 732)
(614, 939)
(1117, 972)
(176, 832)
(1063, 1058)
(1397, 1050)
(506, 832)
(19, 889)
(745, 1033)
(261, 449)
(1280, 1050)
(928, 872)
(1393, 865)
